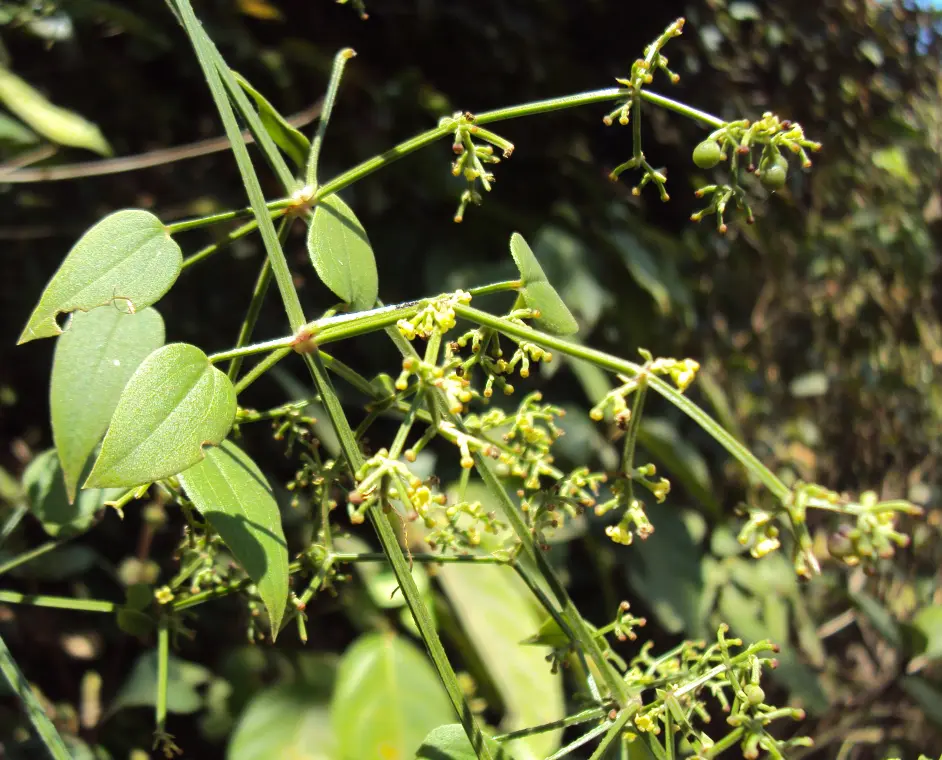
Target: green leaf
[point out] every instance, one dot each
(926, 695)
(643, 268)
(294, 144)
(56, 124)
(665, 570)
(93, 362)
(388, 697)
(341, 253)
(231, 492)
(128, 256)
(285, 721)
(48, 502)
(496, 612)
(183, 678)
(173, 404)
(928, 621)
(11, 131)
(681, 460)
(538, 293)
(451, 743)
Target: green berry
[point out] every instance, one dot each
(754, 694)
(773, 172)
(707, 154)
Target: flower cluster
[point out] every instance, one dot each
(436, 317)
(682, 677)
(739, 141)
(873, 535)
(681, 371)
(642, 73)
(488, 355)
(472, 157)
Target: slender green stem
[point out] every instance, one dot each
(17, 513)
(584, 739)
(582, 635)
(682, 108)
(34, 710)
(614, 364)
(255, 305)
(205, 221)
(279, 265)
(261, 368)
(163, 662)
(551, 104)
(726, 742)
(613, 733)
(340, 60)
(262, 138)
(360, 171)
(57, 602)
(593, 713)
(400, 567)
(330, 329)
(22, 559)
(424, 559)
(496, 287)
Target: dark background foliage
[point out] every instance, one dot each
(818, 327)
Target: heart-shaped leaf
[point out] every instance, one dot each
(538, 293)
(128, 257)
(385, 677)
(341, 253)
(60, 515)
(52, 122)
(294, 144)
(93, 362)
(451, 743)
(174, 403)
(231, 492)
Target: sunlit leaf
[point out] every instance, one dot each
(48, 502)
(231, 492)
(127, 259)
(496, 612)
(341, 253)
(451, 743)
(183, 679)
(538, 293)
(174, 403)
(294, 144)
(284, 722)
(52, 122)
(93, 362)
(387, 699)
